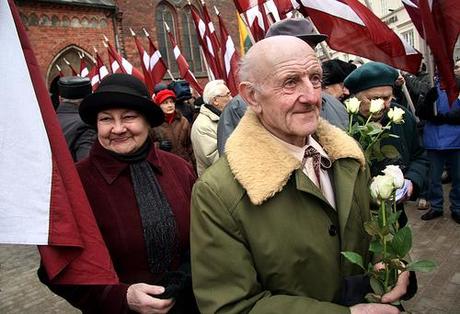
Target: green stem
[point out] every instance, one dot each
(383, 212)
(350, 123)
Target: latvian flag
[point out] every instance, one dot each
(42, 201)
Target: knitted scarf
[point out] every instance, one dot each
(158, 221)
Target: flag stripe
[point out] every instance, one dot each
(23, 142)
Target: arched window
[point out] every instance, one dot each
(190, 45)
(165, 13)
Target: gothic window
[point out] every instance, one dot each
(84, 22)
(44, 21)
(75, 22)
(55, 21)
(164, 13)
(93, 22)
(65, 21)
(102, 23)
(190, 45)
(33, 19)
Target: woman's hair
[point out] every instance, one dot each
(213, 89)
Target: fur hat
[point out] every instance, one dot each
(120, 91)
(369, 75)
(163, 95)
(335, 71)
(74, 87)
(298, 27)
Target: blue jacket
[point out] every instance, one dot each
(442, 136)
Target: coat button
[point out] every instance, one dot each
(332, 230)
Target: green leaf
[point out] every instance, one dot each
(402, 242)
(377, 286)
(390, 151)
(376, 247)
(353, 257)
(423, 266)
(372, 228)
(373, 298)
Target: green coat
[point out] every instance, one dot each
(260, 235)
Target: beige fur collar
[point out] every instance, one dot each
(263, 166)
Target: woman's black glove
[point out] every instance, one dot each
(425, 109)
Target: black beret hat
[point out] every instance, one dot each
(121, 91)
(298, 27)
(371, 74)
(335, 71)
(74, 87)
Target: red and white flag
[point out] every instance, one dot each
(353, 28)
(98, 72)
(184, 68)
(210, 30)
(230, 57)
(260, 14)
(212, 57)
(414, 13)
(74, 72)
(83, 66)
(440, 23)
(42, 201)
(119, 64)
(157, 66)
(145, 63)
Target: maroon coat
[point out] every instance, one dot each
(108, 185)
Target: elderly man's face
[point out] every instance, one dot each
(384, 92)
(287, 95)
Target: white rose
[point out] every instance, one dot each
(396, 115)
(376, 105)
(397, 175)
(382, 187)
(352, 105)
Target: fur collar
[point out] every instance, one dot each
(262, 165)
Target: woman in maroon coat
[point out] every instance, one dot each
(140, 197)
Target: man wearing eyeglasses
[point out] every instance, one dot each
(216, 96)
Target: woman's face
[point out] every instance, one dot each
(168, 106)
(122, 131)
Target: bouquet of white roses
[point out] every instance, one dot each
(369, 133)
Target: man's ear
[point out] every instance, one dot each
(248, 92)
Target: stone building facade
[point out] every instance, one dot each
(61, 30)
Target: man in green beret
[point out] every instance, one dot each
(375, 80)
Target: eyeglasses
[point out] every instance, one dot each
(225, 95)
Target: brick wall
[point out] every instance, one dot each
(53, 28)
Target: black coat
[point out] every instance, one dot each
(79, 135)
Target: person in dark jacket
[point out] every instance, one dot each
(173, 134)
(334, 73)
(79, 135)
(375, 80)
(441, 138)
(184, 98)
(140, 197)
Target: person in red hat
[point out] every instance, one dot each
(174, 133)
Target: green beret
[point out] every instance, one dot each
(371, 74)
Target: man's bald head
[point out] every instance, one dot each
(258, 62)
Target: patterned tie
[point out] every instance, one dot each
(318, 162)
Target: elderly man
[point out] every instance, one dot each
(270, 218)
(216, 95)
(374, 80)
(79, 135)
(334, 73)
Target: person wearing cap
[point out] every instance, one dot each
(79, 135)
(331, 109)
(184, 98)
(271, 216)
(140, 198)
(216, 96)
(173, 134)
(374, 80)
(334, 73)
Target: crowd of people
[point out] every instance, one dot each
(244, 204)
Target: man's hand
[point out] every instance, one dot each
(399, 290)
(140, 299)
(373, 308)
